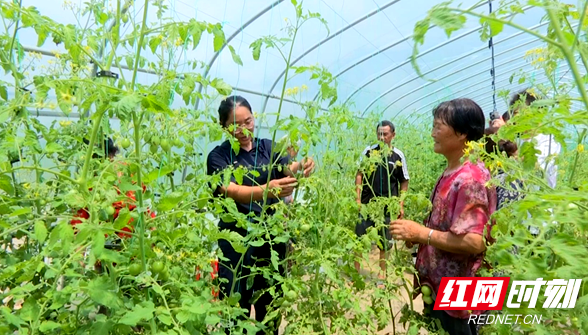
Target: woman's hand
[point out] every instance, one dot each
(406, 230)
(308, 166)
(284, 186)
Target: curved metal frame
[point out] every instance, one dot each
(483, 100)
(328, 38)
(457, 59)
(233, 35)
(404, 39)
(148, 71)
(449, 41)
(510, 60)
(487, 95)
(446, 76)
(379, 52)
(445, 87)
(417, 112)
(467, 93)
(461, 90)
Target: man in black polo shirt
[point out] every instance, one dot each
(384, 180)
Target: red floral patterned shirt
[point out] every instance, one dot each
(461, 204)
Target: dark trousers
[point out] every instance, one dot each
(260, 257)
(453, 326)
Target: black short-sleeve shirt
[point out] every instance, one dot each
(257, 159)
(378, 182)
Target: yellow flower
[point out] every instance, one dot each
(288, 91)
(499, 164)
(179, 41)
(26, 185)
(64, 123)
(66, 97)
(304, 87)
(580, 147)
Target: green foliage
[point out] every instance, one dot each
(87, 279)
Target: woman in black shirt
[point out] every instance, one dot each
(253, 154)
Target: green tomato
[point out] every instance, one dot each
(157, 267)
(135, 269)
(102, 215)
(178, 143)
(110, 210)
(291, 295)
(30, 217)
(155, 140)
(164, 275)
(428, 300)
(153, 148)
(165, 145)
(125, 18)
(305, 227)
(125, 143)
(426, 291)
(42, 202)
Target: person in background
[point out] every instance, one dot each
(110, 152)
(504, 193)
(496, 120)
(235, 115)
(389, 177)
(451, 241)
(546, 144)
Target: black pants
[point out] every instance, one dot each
(453, 326)
(260, 257)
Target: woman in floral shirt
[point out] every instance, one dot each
(451, 241)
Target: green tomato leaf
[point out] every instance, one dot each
(169, 201)
(219, 37)
(40, 231)
(221, 86)
(256, 48)
(154, 43)
(151, 102)
(53, 148)
(48, 326)
(141, 312)
(4, 93)
(235, 56)
(446, 19)
(102, 291)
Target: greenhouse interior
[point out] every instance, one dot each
(293, 167)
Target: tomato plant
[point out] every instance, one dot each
(151, 206)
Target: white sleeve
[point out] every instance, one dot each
(403, 161)
(548, 148)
